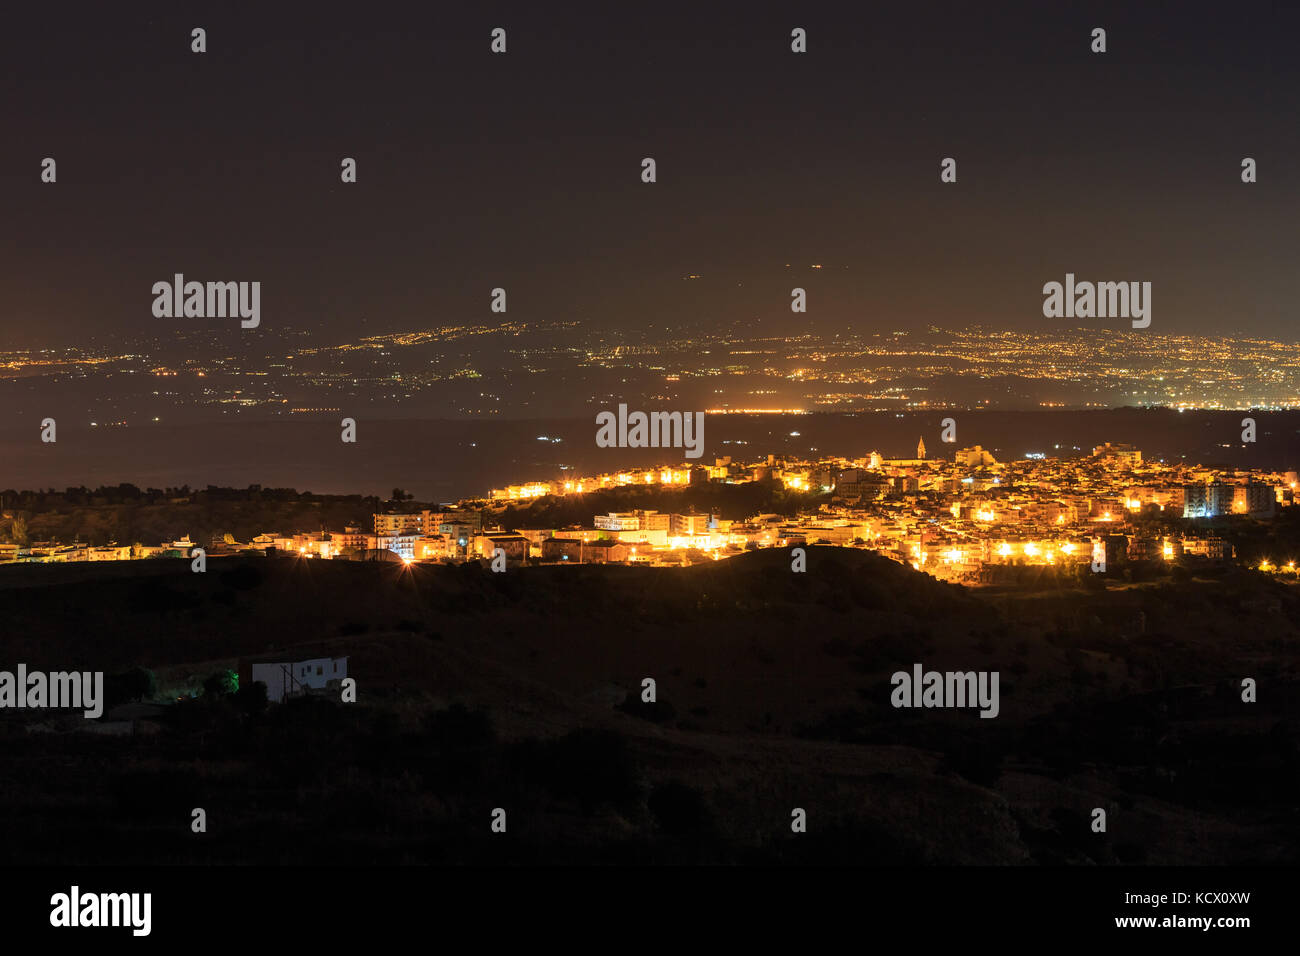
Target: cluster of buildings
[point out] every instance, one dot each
(666, 475)
(54, 552)
(958, 518)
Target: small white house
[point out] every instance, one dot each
(289, 678)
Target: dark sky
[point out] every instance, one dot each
(523, 170)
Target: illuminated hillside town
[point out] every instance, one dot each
(957, 518)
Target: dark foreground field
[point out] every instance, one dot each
(522, 691)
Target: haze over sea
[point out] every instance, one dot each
(446, 460)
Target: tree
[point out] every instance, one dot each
(140, 683)
(221, 683)
(252, 698)
(18, 530)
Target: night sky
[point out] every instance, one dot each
(523, 171)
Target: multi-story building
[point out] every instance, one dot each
(401, 543)
(974, 457)
(433, 547)
(349, 539)
(452, 520)
(690, 524)
(390, 524)
(1120, 452)
(618, 521)
(1208, 546)
(1207, 501)
(1254, 499)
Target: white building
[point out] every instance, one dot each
(618, 521)
(402, 544)
(289, 678)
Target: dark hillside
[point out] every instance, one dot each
(522, 690)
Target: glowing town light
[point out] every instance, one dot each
(1004, 549)
(1168, 550)
(1067, 548)
(1060, 519)
(406, 560)
(1264, 565)
(1133, 504)
(1031, 548)
(984, 515)
(953, 556)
